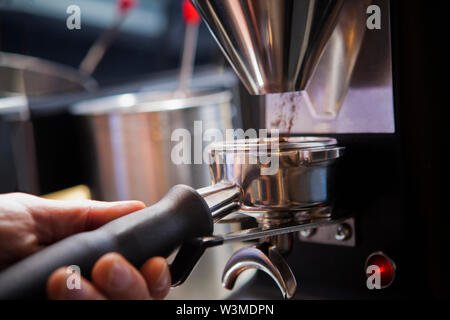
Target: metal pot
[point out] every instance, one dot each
(24, 82)
(34, 77)
(130, 137)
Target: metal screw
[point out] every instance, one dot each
(343, 232)
(307, 233)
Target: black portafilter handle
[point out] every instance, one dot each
(154, 231)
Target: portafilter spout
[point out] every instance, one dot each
(273, 45)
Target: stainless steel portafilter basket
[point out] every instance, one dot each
(273, 174)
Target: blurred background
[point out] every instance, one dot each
(143, 55)
(150, 39)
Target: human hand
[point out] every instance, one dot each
(29, 223)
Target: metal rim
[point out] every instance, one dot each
(155, 101)
(292, 143)
(304, 149)
(21, 62)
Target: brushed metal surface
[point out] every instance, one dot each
(326, 235)
(273, 46)
(351, 88)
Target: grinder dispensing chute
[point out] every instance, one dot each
(274, 46)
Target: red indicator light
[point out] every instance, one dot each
(190, 14)
(126, 5)
(386, 268)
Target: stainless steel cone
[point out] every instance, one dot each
(273, 45)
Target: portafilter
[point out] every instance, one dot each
(286, 184)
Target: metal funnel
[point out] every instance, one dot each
(273, 45)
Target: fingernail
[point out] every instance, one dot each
(127, 205)
(124, 203)
(119, 276)
(163, 280)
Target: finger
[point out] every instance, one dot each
(57, 219)
(90, 214)
(57, 288)
(156, 273)
(116, 278)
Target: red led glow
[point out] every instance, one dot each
(190, 14)
(126, 5)
(385, 268)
